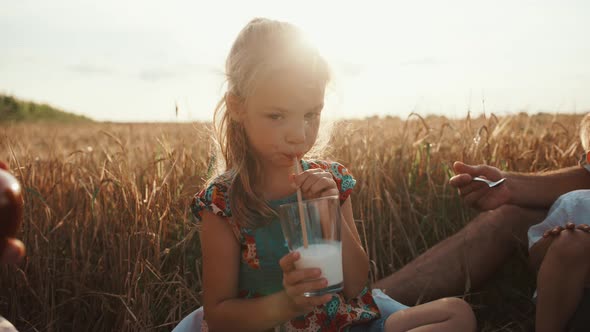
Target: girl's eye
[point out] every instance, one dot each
(312, 115)
(275, 116)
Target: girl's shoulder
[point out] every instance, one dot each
(343, 178)
(213, 197)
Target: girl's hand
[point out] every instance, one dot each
(553, 232)
(296, 282)
(570, 226)
(315, 183)
(478, 194)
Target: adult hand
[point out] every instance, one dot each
(11, 250)
(299, 281)
(478, 194)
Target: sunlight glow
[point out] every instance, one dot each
(135, 60)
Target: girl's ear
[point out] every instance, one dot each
(235, 106)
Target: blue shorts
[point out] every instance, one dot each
(387, 306)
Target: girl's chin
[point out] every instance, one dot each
(279, 160)
(283, 161)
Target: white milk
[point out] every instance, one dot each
(327, 257)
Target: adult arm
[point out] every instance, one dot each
(355, 262)
(535, 190)
(542, 189)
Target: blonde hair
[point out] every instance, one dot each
(262, 48)
(585, 132)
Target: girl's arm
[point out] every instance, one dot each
(224, 311)
(355, 261)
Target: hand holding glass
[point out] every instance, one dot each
(322, 217)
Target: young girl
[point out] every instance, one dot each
(269, 116)
(558, 249)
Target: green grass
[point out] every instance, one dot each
(16, 110)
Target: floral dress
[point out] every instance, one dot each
(263, 247)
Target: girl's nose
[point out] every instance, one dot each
(296, 134)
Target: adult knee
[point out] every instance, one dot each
(501, 221)
(510, 223)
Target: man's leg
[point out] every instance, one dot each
(465, 260)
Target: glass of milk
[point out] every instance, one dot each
(322, 220)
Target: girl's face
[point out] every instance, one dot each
(281, 118)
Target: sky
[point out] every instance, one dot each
(118, 60)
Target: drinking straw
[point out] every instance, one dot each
(300, 204)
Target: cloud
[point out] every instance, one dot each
(157, 74)
(90, 69)
(425, 61)
(162, 73)
(584, 77)
(350, 69)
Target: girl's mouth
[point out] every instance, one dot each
(292, 156)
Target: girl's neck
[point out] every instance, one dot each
(275, 183)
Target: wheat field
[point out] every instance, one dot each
(112, 245)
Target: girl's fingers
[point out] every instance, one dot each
(312, 301)
(287, 263)
(298, 179)
(306, 286)
(322, 185)
(556, 230)
(553, 231)
(312, 179)
(316, 183)
(330, 192)
(297, 276)
(570, 225)
(583, 227)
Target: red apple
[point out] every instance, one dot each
(11, 203)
